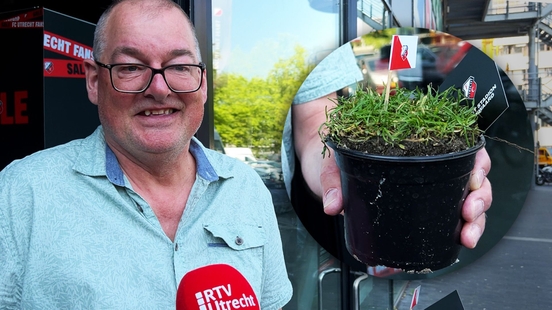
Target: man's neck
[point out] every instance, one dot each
(164, 184)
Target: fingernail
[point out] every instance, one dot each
(330, 197)
(479, 177)
(480, 207)
(475, 233)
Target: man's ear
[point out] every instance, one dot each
(91, 73)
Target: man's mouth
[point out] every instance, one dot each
(157, 112)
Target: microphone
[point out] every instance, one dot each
(215, 287)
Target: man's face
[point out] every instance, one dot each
(158, 120)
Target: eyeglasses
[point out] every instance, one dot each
(136, 78)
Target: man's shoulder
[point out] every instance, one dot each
(56, 155)
(50, 160)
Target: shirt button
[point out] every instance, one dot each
(239, 240)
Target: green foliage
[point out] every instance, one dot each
(252, 112)
(408, 116)
(378, 38)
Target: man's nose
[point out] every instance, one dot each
(158, 87)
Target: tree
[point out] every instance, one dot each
(251, 112)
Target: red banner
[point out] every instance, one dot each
(24, 20)
(62, 68)
(61, 45)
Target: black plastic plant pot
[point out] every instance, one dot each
(404, 212)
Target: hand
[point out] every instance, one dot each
(320, 173)
(478, 201)
(330, 180)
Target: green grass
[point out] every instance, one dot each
(408, 116)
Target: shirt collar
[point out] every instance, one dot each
(204, 167)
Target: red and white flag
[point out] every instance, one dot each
(415, 297)
(403, 52)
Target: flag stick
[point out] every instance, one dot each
(387, 89)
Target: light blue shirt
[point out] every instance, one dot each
(336, 71)
(75, 235)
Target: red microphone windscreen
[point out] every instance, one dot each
(215, 287)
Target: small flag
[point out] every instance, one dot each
(403, 52)
(415, 297)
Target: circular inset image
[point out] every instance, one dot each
(416, 85)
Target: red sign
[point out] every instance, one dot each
(19, 105)
(24, 20)
(63, 68)
(64, 46)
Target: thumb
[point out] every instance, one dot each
(330, 181)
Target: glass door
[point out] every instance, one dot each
(262, 52)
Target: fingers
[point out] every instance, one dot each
(330, 181)
(480, 170)
(473, 212)
(477, 202)
(471, 232)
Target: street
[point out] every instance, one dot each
(514, 274)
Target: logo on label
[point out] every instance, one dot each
(404, 52)
(220, 298)
(48, 66)
(469, 88)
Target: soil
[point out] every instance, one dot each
(409, 148)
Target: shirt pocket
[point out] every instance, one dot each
(241, 246)
(237, 237)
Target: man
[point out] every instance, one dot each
(115, 220)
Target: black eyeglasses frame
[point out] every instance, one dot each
(154, 71)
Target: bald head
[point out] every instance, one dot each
(151, 8)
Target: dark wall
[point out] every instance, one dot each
(89, 10)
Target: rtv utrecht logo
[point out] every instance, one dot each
(220, 298)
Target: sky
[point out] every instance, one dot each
(251, 35)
